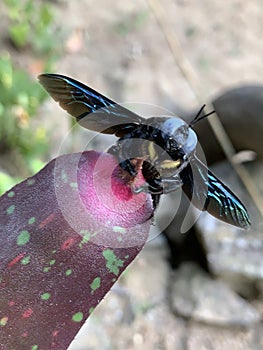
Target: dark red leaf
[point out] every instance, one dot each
(66, 235)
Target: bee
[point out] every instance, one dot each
(167, 146)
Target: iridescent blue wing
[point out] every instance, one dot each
(91, 109)
(208, 193)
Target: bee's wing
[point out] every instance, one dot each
(207, 192)
(91, 109)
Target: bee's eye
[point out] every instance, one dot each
(177, 129)
(181, 135)
(191, 143)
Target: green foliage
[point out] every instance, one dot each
(20, 99)
(31, 24)
(31, 30)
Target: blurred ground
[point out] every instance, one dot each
(118, 48)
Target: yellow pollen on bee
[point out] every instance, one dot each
(152, 153)
(170, 164)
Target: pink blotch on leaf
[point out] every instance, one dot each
(55, 333)
(27, 313)
(67, 243)
(16, 260)
(47, 220)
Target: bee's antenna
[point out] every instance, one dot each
(197, 118)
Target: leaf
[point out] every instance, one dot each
(66, 234)
(19, 34)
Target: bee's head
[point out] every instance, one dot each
(176, 129)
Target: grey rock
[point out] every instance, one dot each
(240, 112)
(148, 287)
(201, 336)
(195, 295)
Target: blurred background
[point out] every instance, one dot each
(198, 290)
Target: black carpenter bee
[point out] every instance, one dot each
(166, 144)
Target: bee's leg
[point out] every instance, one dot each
(160, 185)
(166, 185)
(154, 187)
(171, 184)
(155, 199)
(153, 183)
(129, 167)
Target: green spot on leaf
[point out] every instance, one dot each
(73, 185)
(45, 296)
(11, 194)
(95, 283)
(10, 209)
(26, 260)
(64, 176)
(23, 237)
(113, 263)
(86, 237)
(91, 310)
(3, 321)
(119, 229)
(46, 269)
(77, 317)
(34, 347)
(68, 272)
(31, 220)
(52, 262)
